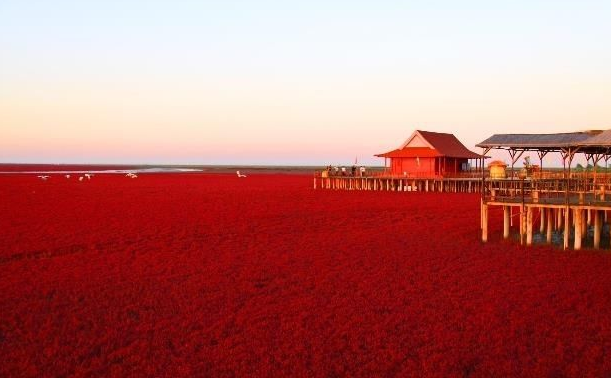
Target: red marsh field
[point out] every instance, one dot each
(204, 275)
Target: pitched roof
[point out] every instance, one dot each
(411, 152)
(537, 141)
(602, 139)
(448, 145)
(440, 144)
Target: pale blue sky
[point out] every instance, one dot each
(280, 82)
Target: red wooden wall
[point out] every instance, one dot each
(426, 167)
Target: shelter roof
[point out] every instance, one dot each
(602, 139)
(551, 142)
(439, 144)
(448, 145)
(411, 152)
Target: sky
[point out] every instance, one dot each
(291, 82)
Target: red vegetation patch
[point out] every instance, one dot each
(210, 275)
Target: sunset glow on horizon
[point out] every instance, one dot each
(273, 82)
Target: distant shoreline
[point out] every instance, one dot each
(7, 168)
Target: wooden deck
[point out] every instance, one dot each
(575, 210)
(397, 184)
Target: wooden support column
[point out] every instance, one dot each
(506, 220)
(597, 228)
(567, 228)
(541, 219)
(484, 222)
(550, 225)
(529, 225)
(523, 224)
(577, 215)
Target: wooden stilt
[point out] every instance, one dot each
(578, 218)
(550, 225)
(541, 220)
(506, 220)
(567, 229)
(597, 228)
(529, 225)
(523, 225)
(484, 222)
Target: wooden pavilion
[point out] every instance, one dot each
(565, 203)
(429, 154)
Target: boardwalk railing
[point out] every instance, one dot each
(380, 182)
(569, 207)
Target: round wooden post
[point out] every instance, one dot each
(529, 225)
(577, 215)
(550, 225)
(484, 222)
(597, 228)
(506, 220)
(522, 224)
(567, 229)
(541, 220)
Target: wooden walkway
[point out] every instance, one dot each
(441, 185)
(552, 210)
(575, 212)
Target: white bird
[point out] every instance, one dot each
(43, 178)
(67, 176)
(239, 174)
(131, 175)
(88, 176)
(81, 178)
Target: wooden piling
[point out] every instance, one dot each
(550, 225)
(597, 228)
(578, 217)
(529, 225)
(484, 222)
(567, 228)
(506, 220)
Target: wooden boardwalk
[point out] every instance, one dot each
(398, 184)
(575, 210)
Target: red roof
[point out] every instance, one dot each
(448, 145)
(443, 145)
(411, 152)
